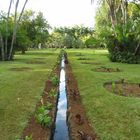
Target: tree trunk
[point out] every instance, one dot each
(16, 22)
(2, 47)
(112, 14)
(22, 11)
(23, 51)
(137, 48)
(6, 39)
(124, 16)
(14, 31)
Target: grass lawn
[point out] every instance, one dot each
(21, 85)
(113, 117)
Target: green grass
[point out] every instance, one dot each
(113, 117)
(21, 90)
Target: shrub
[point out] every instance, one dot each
(28, 138)
(124, 57)
(49, 105)
(42, 116)
(113, 86)
(55, 80)
(52, 93)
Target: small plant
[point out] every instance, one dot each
(120, 91)
(58, 62)
(42, 116)
(49, 105)
(61, 54)
(113, 86)
(52, 93)
(55, 80)
(29, 137)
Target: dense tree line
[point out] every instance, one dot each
(31, 30)
(71, 37)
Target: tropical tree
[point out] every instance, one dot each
(6, 52)
(117, 24)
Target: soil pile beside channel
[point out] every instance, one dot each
(79, 125)
(36, 130)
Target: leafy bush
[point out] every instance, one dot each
(124, 57)
(49, 105)
(42, 116)
(113, 87)
(55, 80)
(52, 93)
(28, 138)
(93, 42)
(121, 49)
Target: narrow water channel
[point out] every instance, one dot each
(61, 128)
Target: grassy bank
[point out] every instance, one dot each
(21, 85)
(113, 117)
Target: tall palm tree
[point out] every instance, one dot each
(16, 22)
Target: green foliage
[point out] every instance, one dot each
(52, 93)
(120, 33)
(68, 41)
(93, 42)
(78, 43)
(124, 57)
(73, 37)
(42, 116)
(49, 105)
(32, 30)
(55, 80)
(28, 138)
(23, 41)
(113, 86)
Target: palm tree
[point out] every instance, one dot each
(16, 22)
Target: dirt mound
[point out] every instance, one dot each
(79, 54)
(84, 58)
(33, 128)
(36, 62)
(91, 63)
(40, 58)
(21, 69)
(124, 89)
(79, 126)
(105, 69)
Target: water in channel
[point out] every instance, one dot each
(61, 128)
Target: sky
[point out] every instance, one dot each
(61, 12)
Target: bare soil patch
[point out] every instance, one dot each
(36, 62)
(79, 125)
(21, 69)
(91, 63)
(33, 127)
(84, 58)
(123, 89)
(79, 54)
(106, 69)
(40, 58)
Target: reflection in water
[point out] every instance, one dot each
(61, 128)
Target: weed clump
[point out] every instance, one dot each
(42, 116)
(55, 80)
